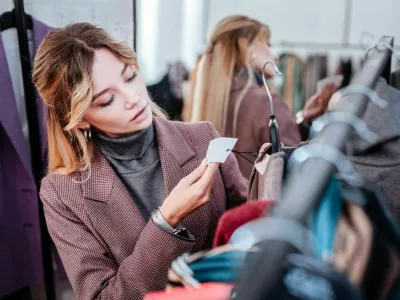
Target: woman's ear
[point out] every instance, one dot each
(84, 125)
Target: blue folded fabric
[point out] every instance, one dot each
(222, 267)
(323, 220)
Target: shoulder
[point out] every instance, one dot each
(199, 129)
(59, 187)
(193, 130)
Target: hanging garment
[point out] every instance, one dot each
(168, 92)
(266, 177)
(20, 246)
(380, 162)
(354, 241)
(345, 69)
(238, 216)
(206, 291)
(223, 264)
(315, 69)
(252, 123)
(395, 79)
(292, 91)
(269, 172)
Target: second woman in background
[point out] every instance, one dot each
(228, 92)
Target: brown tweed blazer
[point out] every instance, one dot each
(107, 248)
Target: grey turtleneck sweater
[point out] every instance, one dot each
(136, 160)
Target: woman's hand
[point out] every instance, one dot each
(318, 103)
(192, 192)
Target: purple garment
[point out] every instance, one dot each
(20, 241)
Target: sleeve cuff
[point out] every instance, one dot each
(179, 232)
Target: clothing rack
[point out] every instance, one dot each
(34, 139)
(305, 187)
(134, 11)
(322, 46)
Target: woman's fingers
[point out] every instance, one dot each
(196, 174)
(208, 176)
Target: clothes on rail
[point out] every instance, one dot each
(345, 69)
(238, 216)
(380, 162)
(20, 253)
(209, 291)
(167, 93)
(351, 236)
(315, 69)
(395, 79)
(292, 90)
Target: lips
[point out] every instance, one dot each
(139, 113)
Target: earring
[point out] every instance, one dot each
(253, 55)
(87, 133)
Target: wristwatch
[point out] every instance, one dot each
(179, 231)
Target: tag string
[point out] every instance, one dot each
(254, 154)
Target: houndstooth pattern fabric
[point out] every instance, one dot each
(107, 248)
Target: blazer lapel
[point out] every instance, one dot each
(9, 116)
(110, 206)
(179, 159)
(174, 151)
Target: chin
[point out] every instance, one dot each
(146, 122)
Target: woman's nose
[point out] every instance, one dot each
(131, 100)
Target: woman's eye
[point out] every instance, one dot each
(108, 102)
(133, 77)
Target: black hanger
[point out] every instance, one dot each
(8, 20)
(273, 125)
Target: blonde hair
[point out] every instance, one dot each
(62, 75)
(227, 49)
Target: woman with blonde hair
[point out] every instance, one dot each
(127, 190)
(228, 91)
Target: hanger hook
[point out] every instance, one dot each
(341, 116)
(373, 97)
(382, 46)
(265, 82)
(331, 155)
(365, 33)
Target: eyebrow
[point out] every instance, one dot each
(107, 89)
(124, 69)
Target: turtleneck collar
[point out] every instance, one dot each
(126, 147)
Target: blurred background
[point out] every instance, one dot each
(176, 30)
(170, 35)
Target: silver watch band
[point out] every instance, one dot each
(158, 218)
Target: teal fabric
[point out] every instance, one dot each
(324, 219)
(223, 267)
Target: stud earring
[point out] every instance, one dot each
(253, 55)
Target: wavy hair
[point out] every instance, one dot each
(62, 76)
(227, 51)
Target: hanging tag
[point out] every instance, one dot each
(219, 149)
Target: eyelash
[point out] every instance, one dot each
(112, 97)
(109, 102)
(133, 77)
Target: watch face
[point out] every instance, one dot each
(182, 232)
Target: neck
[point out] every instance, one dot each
(126, 147)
